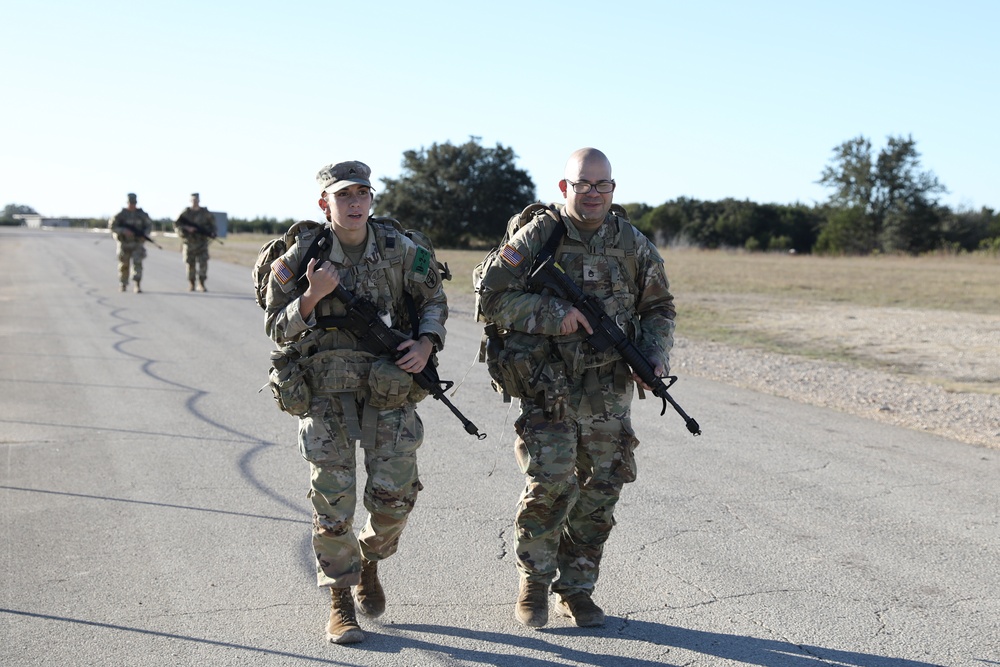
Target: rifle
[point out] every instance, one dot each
(191, 227)
(607, 333)
(138, 232)
(376, 337)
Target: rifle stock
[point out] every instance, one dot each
(608, 334)
(375, 336)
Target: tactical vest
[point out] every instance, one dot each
(524, 366)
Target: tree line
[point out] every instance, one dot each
(461, 196)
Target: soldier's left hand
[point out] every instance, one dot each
(657, 368)
(417, 354)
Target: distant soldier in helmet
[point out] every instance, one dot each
(130, 227)
(196, 227)
(575, 442)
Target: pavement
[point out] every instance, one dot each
(153, 507)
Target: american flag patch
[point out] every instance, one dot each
(511, 256)
(281, 271)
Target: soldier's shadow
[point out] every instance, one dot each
(741, 648)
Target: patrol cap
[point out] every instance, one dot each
(131, 196)
(334, 177)
(195, 194)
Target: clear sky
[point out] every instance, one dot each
(245, 101)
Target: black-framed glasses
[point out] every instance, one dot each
(583, 187)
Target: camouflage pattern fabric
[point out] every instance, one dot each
(194, 244)
(337, 376)
(390, 491)
(130, 250)
(575, 470)
(575, 442)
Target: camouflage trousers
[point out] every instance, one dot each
(390, 491)
(130, 252)
(575, 470)
(195, 254)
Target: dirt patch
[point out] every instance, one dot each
(959, 351)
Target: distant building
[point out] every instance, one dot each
(221, 223)
(38, 221)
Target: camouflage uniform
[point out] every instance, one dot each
(575, 441)
(196, 242)
(130, 249)
(340, 412)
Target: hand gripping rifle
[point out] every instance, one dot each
(138, 232)
(608, 334)
(375, 336)
(190, 227)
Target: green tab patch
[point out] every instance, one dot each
(421, 261)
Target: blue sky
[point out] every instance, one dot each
(244, 102)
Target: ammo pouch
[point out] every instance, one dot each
(338, 371)
(513, 368)
(389, 386)
(522, 367)
(287, 380)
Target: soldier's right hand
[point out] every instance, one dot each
(322, 277)
(574, 320)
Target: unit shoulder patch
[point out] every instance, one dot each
(421, 261)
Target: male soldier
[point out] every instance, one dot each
(196, 227)
(371, 260)
(131, 227)
(574, 434)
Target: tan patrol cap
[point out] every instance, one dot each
(338, 176)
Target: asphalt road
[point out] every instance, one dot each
(154, 510)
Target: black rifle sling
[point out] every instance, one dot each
(551, 244)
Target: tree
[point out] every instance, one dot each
(456, 194)
(11, 209)
(896, 199)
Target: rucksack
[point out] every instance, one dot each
(271, 251)
(278, 246)
(515, 223)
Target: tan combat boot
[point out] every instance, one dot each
(580, 609)
(121, 288)
(369, 595)
(343, 626)
(201, 284)
(532, 608)
(137, 289)
(190, 286)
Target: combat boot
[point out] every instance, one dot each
(191, 285)
(121, 288)
(369, 595)
(137, 289)
(343, 626)
(580, 609)
(532, 608)
(201, 284)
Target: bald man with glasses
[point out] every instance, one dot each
(575, 443)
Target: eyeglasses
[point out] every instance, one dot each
(583, 187)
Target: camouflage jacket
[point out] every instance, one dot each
(202, 220)
(641, 303)
(391, 264)
(137, 219)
